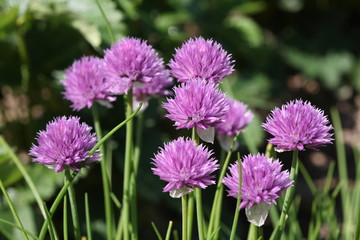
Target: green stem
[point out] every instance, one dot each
(237, 210)
(190, 215)
(168, 231)
(137, 153)
(105, 178)
(23, 53)
(73, 206)
(199, 213)
(65, 218)
(184, 217)
(102, 140)
(342, 164)
(25, 174)
(108, 26)
(128, 166)
(18, 227)
(218, 192)
(87, 216)
(55, 204)
(253, 232)
(289, 196)
(13, 210)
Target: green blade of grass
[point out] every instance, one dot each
(156, 231)
(18, 227)
(87, 217)
(13, 210)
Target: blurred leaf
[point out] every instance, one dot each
(329, 68)
(251, 7)
(9, 173)
(90, 32)
(253, 89)
(8, 18)
(251, 32)
(356, 76)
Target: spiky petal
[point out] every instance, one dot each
(200, 58)
(65, 143)
(196, 104)
(129, 62)
(262, 183)
(184, 166)
(84, 83)
(298, 125)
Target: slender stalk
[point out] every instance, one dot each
(253, 232)
(237, 210)
(13, 210)
(73, 206)
(52, 232)
(109, 134)
(18, 227)
(65, 218)
(128, 166)
(105, 178)
(56, 203)
(108, 26)
(168, 231)
(25, 174)
(87, 216)
(23, 53)
(184, 217)
(137, 152)
(289, 196)
(342, 166)
(219, 190)
(199, 213)
(156, 231)
(190, 214)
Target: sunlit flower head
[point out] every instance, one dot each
(131, 62)
(65, 143)
(184, 166)
(84, 84)
(200, 58)
(262, 183)
(196, 104)
(298, 125)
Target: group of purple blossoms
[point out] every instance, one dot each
(199, 65)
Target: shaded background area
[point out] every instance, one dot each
(283, 49)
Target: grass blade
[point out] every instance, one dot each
(13, 210)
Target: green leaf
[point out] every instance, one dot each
(8, 171)
(250, 31)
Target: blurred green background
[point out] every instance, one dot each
(283, 49)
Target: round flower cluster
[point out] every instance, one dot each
(65, 143)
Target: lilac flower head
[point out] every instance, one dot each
(196, 104)
(131, 61)
(262, 183)
(184, 166)
(65, 143)
(298, 125)
(157, 87)
(235, 120)
(200, 58)
(84, 84)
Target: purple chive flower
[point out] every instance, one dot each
(235, 120)
(184, 166)
(84, 84)
(131, 61)
(298, 125)
(197, 104)
(262, 183)
(200, 58)
(65, 143)
(157, 87)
